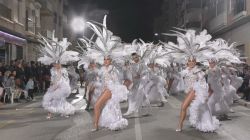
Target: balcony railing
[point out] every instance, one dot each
(5, 11)
(218, 22)
(239, 6)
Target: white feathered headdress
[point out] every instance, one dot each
(224, 52)
(105, 45)
(142, 49)
(189, 45)
(85, 59)
(54, 51)
(159, 56)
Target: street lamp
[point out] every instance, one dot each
(156, 37)
(78, 24)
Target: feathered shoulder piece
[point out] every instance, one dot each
(54, 51)
(189, 45)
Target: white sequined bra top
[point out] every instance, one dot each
(190, 77)
(106, 77)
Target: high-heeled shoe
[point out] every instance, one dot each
(63, 115)
(94, 129)
(128, 113)
(48, 117)
(178, 130)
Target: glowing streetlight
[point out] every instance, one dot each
(78, 24)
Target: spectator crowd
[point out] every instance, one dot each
(23, 79)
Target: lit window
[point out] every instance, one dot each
(238, 6)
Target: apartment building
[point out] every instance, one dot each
(20, 23)
(230, 20)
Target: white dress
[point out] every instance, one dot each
(73, 76)
(154, 86)
(216, 102)
(111, 115)
(177, 84)
(127, 75)
(230, 91)
(200, 115)
(236, 82)
(92, 80)
(54, 101)
(136, 98)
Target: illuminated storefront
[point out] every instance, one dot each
(11, 47)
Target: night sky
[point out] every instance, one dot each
(128, 19)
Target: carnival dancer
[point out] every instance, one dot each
(216, 102)
(138, 70)
(154, 79)
(73, 78)
(226, 54)
(110, 91)
(236, 82)
(192, 47)
(91, 82)
(55, 52)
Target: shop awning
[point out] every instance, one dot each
(12, 39)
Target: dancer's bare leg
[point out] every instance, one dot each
(49, 116)
(91, 91)
(190, 96)
(127, 83)
(85, 90)
(170, 82)
(106, 95)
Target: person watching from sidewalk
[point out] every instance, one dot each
(30, 88)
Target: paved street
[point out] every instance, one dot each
(145, 44)
(28, 122)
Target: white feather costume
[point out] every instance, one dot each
(224, 54)
(138, 70)
(108, 45)
(216, 102)
(192, 46)
(154, 81)
(55, 51)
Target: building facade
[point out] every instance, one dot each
(190, 14)
(20, 23)
(230, 20)
(166, 21)
(33, 27)
(227, 19)
(12, 30)
(179, 13)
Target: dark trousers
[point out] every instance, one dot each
(31, 93)
(246, 94)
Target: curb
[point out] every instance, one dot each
(244, 103)
(21, 104)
